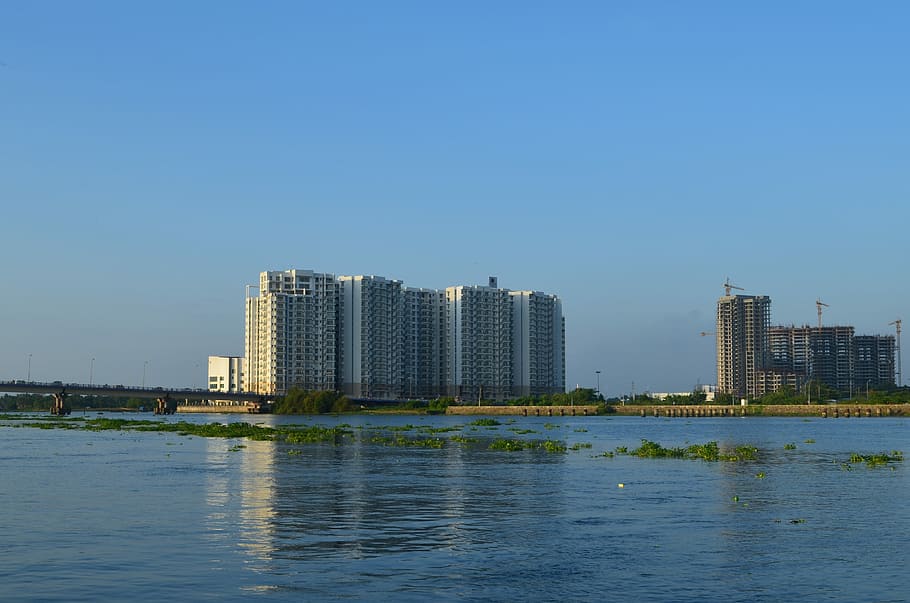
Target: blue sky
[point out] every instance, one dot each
(627, 156)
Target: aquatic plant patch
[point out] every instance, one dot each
(877, 460)
(709, 451)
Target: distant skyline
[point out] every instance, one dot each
(627, 157)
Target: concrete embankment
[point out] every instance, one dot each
(227, 408)
(767, 410)
(752, 410)
(527, 411)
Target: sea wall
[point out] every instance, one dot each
(751, 410)
(768, 410)
(527, 411)
(226, 408)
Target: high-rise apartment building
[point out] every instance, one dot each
(538, 344)
(424, 353)
(291, 332)
(371, 337)
(479, 343)
(743, 324)
(371, 334)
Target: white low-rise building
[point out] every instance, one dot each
(225, 375)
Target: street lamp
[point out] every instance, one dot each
(598, 381)
(29, 378)
(91, 374)
(144, 365)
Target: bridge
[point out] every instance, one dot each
(166, 398)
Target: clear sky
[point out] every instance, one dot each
(626, 156)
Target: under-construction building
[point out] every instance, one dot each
(743, 323)
(873, 363)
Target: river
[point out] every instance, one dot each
(112, 515)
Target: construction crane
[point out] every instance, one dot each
(818, 306)
(897, 326)
(728, 285)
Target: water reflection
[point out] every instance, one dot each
(361, 499)
(364, 519)
(241, 502)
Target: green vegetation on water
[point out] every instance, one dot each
(396, 436)
(485, 422)
(877, 460)
(706, 452)
(402, 441)
(516, 445)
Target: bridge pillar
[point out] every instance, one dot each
(165, 406)
(60, 407)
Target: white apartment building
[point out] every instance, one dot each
(371, 333)
(291, 332)
(225, 374)
(424, 344)
(538, 344)
(479, 343)
(371, 337)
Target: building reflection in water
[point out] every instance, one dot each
(363, 499)
(240, 494)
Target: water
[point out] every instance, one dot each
(110, 515)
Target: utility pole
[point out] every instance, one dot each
(897, 325)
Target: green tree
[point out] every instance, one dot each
(298, 401)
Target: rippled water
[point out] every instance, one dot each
(112, 515)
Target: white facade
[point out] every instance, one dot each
(370, 337)
(538, 344)
(371, 311)
(479, 343)
(225, 374)
(291, 334)
(424, 343)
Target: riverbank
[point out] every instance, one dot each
(245, 409)
(527, 411)
(767, 410)
(752, 410)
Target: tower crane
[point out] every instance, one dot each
(728, 285)
(818, 306)
(897, 326)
